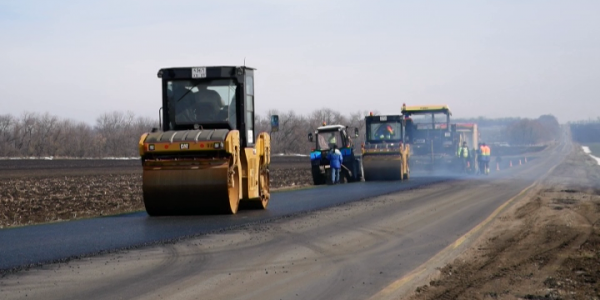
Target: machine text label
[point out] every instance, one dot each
(198, 72)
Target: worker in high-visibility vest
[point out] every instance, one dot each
(463, 155)
(486, 152)
(480, 163)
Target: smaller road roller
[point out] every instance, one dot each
(385, 155)
(206, 157)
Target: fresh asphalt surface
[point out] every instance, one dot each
(39, 244)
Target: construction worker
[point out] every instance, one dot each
(385, 132)
(486, 158)
(480, 163)
(463, 155)
(473, 159)
(332, 141)
(335, 163)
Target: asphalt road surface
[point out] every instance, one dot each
(349, 241)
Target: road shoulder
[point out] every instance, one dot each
(546, 246)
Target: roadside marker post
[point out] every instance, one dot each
(497, 166)
(511, 163)
(519, 162)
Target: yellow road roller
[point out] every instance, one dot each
(205, 157)
(385, 155)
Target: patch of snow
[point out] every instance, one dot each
(586, 149)
(292, 154)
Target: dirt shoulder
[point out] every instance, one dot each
(544, 247)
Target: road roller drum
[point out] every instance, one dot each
(383, 167)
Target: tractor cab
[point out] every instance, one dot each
(329, 135)
(209, 98)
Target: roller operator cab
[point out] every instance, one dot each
(385, 155)
(206, 157)
(324, 138)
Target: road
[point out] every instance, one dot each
(344, 242)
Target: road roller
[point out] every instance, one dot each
(205, 157)
(385, 155)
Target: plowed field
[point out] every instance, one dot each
(38, 191)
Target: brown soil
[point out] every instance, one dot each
(39, 191)
(546, 247)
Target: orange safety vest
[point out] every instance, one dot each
(486, 151)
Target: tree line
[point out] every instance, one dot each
(116, 134)
(586, 131)
(533, 131)
(487, 122)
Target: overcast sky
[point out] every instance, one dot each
(78, 59)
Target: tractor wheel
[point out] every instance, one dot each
(318, 178)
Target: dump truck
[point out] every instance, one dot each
(431, 136)
(325, 138)
(385, 155)
(205, 157)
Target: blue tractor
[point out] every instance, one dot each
(325, 137)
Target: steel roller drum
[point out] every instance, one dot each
(185, 189)
(382, 167)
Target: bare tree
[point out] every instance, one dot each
(290, 137)
(7, 123)
(44, 129)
